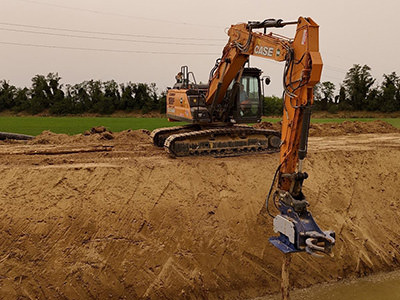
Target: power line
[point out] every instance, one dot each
(103, 38)
(350, 60)
(324, 74)
(105, 50)
(332, 77)
(335, 69)
(111, 33)
(119, 15)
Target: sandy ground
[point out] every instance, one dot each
(109, 216)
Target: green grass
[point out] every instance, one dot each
(395, 122)
(75, 125)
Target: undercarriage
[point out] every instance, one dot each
(193, 140)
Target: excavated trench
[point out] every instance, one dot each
(110, 216)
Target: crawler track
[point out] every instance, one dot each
(220, 142)
(159, 135)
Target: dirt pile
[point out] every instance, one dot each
(96, 134)
(337, 129)
(269, 125)
(352, 127)
(131, 223)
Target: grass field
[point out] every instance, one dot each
(75, 125)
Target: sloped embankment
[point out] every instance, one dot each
(132, 223)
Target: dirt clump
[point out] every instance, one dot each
(99, 129)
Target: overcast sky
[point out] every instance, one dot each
(148, 41)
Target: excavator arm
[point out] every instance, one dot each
(297, 229)
(242, 43)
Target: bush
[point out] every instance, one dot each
(333, 108)
(162, 104)
(272, 106)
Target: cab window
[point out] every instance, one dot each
(249, 96)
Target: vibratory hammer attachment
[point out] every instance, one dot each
(298, 230)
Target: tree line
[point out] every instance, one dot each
(94, 96)
(357, 92)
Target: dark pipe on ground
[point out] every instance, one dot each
(14, 136)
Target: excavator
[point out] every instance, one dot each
(217, 111)
(216, 123)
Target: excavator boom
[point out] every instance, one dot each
(303, 66)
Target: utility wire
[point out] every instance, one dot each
(103, 38)
(350, 60)
(111, 33)
(332, 77)
(335, 69)
(119, 15)
(105, 50)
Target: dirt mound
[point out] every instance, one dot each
(96, 134)
(351, 127)
(336, 129)
(133, 223)
(269, 125)
(133, 136)
(50, 138)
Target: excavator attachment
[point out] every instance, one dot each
(298, 231)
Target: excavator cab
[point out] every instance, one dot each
(248, 106)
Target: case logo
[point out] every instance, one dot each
(266, 51)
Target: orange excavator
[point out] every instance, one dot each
(217, 111)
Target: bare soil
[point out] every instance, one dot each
(108, 215)
(336, 129)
